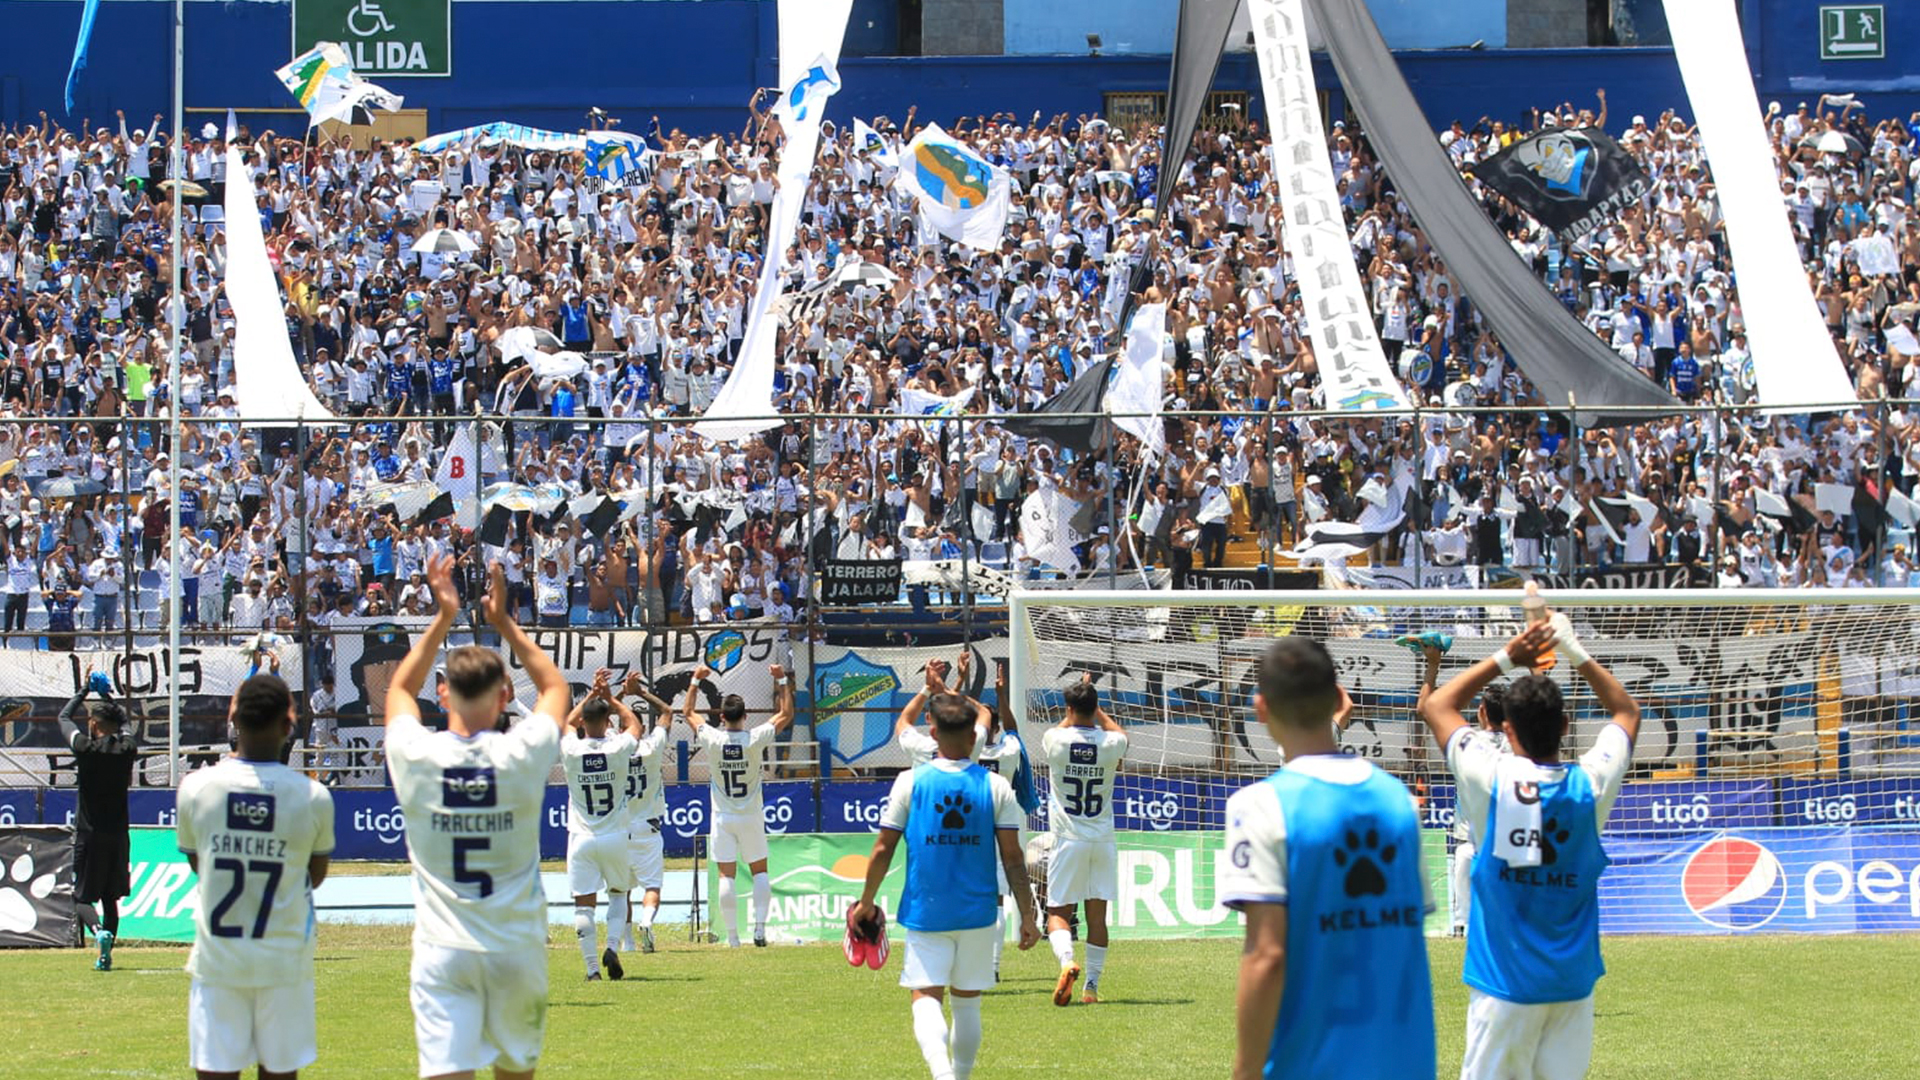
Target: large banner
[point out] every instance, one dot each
(1166, 885)
(1345, 342)
(34, 686)
(368, 651)
(36, 887)
(1558, 353)
(1572, 180)
(1828, 881)
(857, 694)
(162, 902)
(859, 581)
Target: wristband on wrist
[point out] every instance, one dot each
(1505, 662)
(1573, 651)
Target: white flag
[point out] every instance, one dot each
(1046, 527)
(1138, 383)
(1835, 497)
(963, 196)
(1901, 508)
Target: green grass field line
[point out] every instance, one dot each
(1758, 1008)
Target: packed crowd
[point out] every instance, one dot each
(649, 278)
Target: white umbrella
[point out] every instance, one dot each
(560, 365)
(444, 241)
(865, 273)
(523, 341)
(1837, 142)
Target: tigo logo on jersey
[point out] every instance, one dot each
(249, 812)
(1734, 883)
(1083, 754)
(593, 763)
(469, 786)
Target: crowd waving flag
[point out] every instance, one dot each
(960, 194)
(1571, 180)
(609, 159)
(322, 79)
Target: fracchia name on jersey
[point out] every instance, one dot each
(265, 847)
(497, 821)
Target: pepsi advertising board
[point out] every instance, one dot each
(1828, 881)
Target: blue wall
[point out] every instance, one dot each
(696, 64)
(1042, 27)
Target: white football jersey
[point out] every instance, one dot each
(252, 826)
(1081, 764)
(733, 764)
(596, 782)
(1003, 756)
(473, 830)
(922, 748)
(646, 799)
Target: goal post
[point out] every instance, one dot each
(1778, 758)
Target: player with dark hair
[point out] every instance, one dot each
(595, 758)
(1323, 860)
(472, 796)
(1533, 935)
(960, 821)
(258, 834)
(735, 754)
(104, 758)
(1432, 645)
(1083, 755)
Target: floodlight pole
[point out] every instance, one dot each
(177, 316)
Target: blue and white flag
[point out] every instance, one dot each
(960, 194)
(323, 80)
(870, 142)
(807, 97)
(609, 159)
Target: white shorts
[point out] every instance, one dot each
(1509, 1041)
(232, 1030)
(646, 853)
(737, 838)
(598, 863)
(960, 959)
(473, 1009)
(1082, 870)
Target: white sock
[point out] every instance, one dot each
(966, 1035)
(617, 921)
(762, 900)
(647, 912)
(1096, 959)
(930, 1031)
(729, 909)
(1062, 942)
(584, 932)
(999, 938)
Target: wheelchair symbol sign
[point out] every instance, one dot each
(366, 19)
(382, 38)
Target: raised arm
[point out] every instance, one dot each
(1002, 699)
(691, 711)
(1442, 713)
(1606, 688)
(403, 696)
(554, 697)
(783, 697)
(910, 716)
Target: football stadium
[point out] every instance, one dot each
(959, 538)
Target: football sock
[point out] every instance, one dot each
(647, 912)
(999, 938)
(762, 900)
(966, 1035)
(110, 915)
(930, 1031)
(583, 931)
(616, 920)
(1096, 959)
(1062, 942)
(729, 908)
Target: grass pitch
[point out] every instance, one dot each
(1760, 1008)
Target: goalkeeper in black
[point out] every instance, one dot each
(104, 758)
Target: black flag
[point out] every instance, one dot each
(1199, 37)
(1572, 180)
(1081, 434)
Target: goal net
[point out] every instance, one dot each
(1775, 783)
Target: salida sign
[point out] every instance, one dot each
(382, 37)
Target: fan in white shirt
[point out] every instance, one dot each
(472, 798)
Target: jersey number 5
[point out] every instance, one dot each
(239, 870)
(464, 875)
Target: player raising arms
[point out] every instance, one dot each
(596, 759)
(1083, 753)
(1323, 859)
(472, 797)
(1432, 646)
(739, 832)
(959, 821)
(258, 834)
(1533, 935)
(647, 804)
(919, 745)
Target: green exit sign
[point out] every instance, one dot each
(1853, 32)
